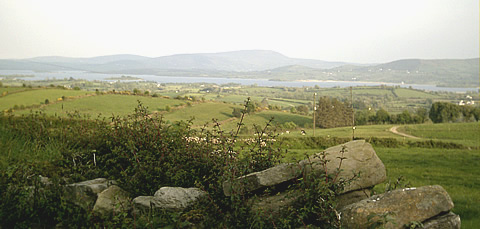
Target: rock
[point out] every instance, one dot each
(273, 205)
(169, 198)
(112, 200)
(360, 158)
(446, 221)
(404, 205)
(269, 177)
(352, 197)
(84, 194)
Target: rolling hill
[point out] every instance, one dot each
(264, 64)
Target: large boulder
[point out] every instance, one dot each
(275, 204)
(112, 200)
(404, 205)
(360, 164)
(360, 161)
(266, 178)
(84, 194)
(169, 198)
(449, 220)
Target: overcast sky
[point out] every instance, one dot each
(364, 31)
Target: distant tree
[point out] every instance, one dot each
(421, 115)
(302, 109)
(167, 108)
(146, 93)
(136, 91)
(47, 101)
(382, 116)
(404, 117)
(251, 107)
(476, 113)
(333, 113)
(237, 112)
(293, 110)
(444, 112)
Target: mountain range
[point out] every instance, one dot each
(263, 64)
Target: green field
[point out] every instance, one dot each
(9, 90)
(463, 133)
(35, 97)
(106, 105)
(261, 118)
(454, 169)
(202, 113)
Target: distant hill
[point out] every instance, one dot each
(448, 73)
(264, 64)
(236, 61)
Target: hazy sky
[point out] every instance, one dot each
(364, 31)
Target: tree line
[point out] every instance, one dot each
(334, 113)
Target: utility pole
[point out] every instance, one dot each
(314, 110)
(353, 113)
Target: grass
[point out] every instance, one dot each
(261, 118)
(9, 90)
(16, 150)
(202, 113)
(454, 169)
(106, 105)
(463, 133)
(410, 93)
(35, 97)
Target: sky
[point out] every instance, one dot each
(367, 31)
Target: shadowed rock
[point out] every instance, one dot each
(84, 193)
(169, 198)
(112, 200)
(447, 221)
(266, 178)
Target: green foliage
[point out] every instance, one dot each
(444, 112)
(333, 113)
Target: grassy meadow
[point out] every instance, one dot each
(36, 97)
(463, 133)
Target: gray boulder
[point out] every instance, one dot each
(360, 158)
(84, 194)
(404, 205)
(352, 197)
(112, 200)
(449, 220)
(169, 198)
(266, 178)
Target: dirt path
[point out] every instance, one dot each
(394, 130)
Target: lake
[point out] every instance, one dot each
(219, 81)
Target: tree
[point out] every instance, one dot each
(404, 117)
(421, 115)
(382, 116)
(303, 109)
(444, 112)
(333, 113)
(237, 112)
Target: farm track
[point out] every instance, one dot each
(395, 131)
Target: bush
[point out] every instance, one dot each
(144, 153)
